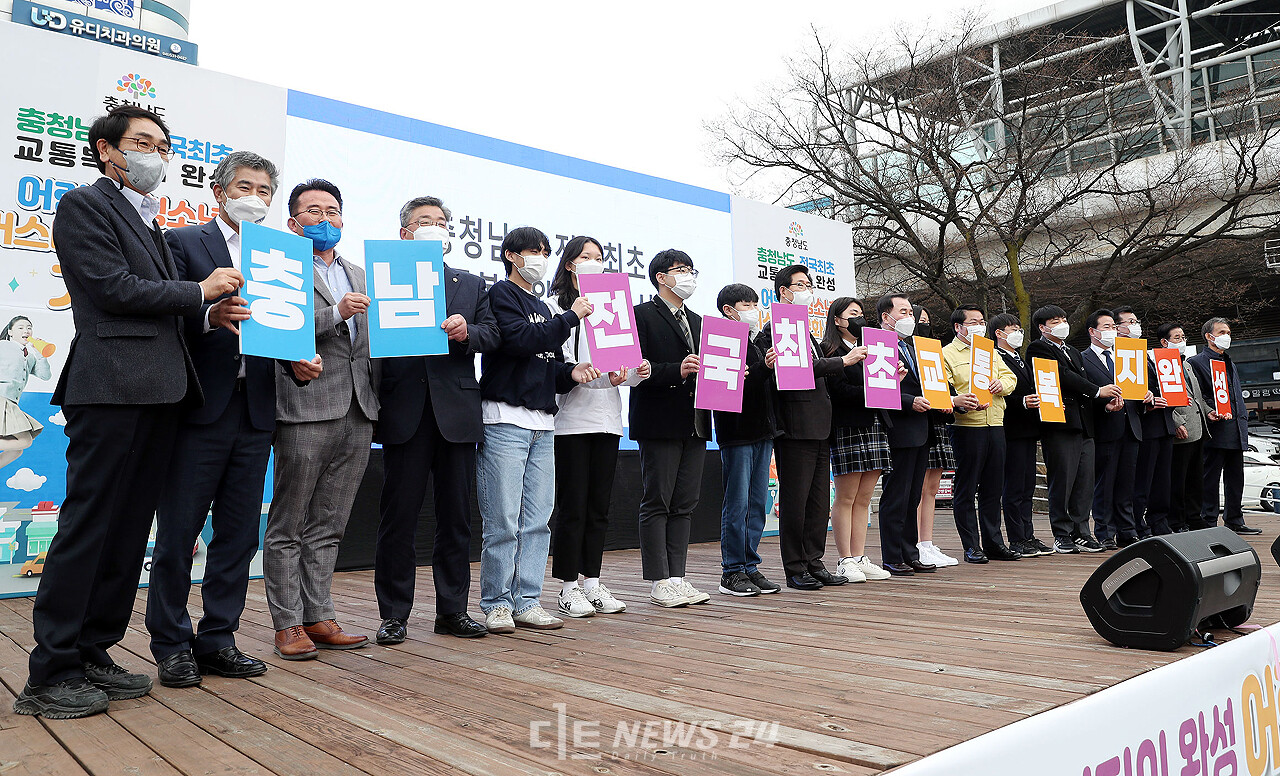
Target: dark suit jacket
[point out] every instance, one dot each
(1223, 434)
(197, 252)
(1020, 422)
(803, 414)
(1078, 393)
(849, 398)
(910, 428)
(662, 406)
(126, 301)
(1157, 423)
(451, 377)
(1111, 426)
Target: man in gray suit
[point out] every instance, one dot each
(1187, 472)
(127, 375)
(321, 441)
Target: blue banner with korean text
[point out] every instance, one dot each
(407, 298)
(279, 290)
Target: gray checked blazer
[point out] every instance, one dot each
(347, 366)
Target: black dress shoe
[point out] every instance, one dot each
(458, 624)
(1001, 552)
(975, 555)
(1125, 541)
(231, 663)
(117, 683)
(1109, 543)
(899, 569)
(1244, 530)
(829, 579)
(805, 581)
(920, 567)
(392, 631)
(178, 670)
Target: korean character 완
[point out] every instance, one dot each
(194, 175)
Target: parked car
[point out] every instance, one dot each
(1261, 483)
(1267, 446)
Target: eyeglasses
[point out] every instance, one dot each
(803, 285)
(317, 213)
(682, 271)
(421, 222)
(146, 147)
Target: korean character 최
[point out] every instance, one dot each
(62, 154)
(197, 151)
(32, 235)
(194, 175)
(176, 213)
(635, 262)
(472, 232)
(219, 152)
(31, 120)
(88, 157)
(153, 45)
(30, 153)
(612, 257)
(496, 239)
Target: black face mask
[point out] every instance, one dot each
(924, 330)
(854, 325)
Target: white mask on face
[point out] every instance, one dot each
(1223, 341)
(589, 267)
(685, 285)
(804, 298)
(534, 268)
(1107, 337)
(1061, 330)
(905, 327)
(437, 233)
(251, 208)
(1135, 330)
(1015, 339)
(1181, 347)
(975, 331)
(751, 318)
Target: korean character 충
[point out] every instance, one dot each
(30, 153)
(31, 120)
(194, 175)
(62, 154)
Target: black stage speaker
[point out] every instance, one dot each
(1155, 593)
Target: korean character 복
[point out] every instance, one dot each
(62, 154)
(496, 239)
(176, 213)
(30, 153)
(472, 231)
(194, 175)
(612, 262)
(635, 262)
(31, 120)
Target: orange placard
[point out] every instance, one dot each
(1173, 380)
(982, 354)
(1221, 393)
(933, 375)
(1131, 367)
(1049, 389)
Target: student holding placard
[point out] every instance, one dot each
(1190, 422)
(1155, 452)
(1119, 432)
(588, 427)
(942, 459)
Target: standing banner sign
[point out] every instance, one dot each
(406, 298)
(1049, 389)
(933, 375)
(1173, 386)
(982, 354)
(722, 364)
(790, 325)
(880, 369)
(1131, 367)
(611, 328)
(1221, 392)
(279, 285)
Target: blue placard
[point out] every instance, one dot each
(406, 289)
(279, 288)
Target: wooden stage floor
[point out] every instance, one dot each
(854, 679)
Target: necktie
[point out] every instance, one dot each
(907, 357)
(1111, 364)
(684, 328)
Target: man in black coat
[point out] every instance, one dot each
(430, 421)
(1021, 431)
(1151, 488)
(127, 374)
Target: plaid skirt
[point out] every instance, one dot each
(860, 450)
(941, 456)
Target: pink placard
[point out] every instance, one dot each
(611, 327)
(790, 324)
(722, 364)
(880, 369)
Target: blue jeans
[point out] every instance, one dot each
(515, 485)
(746, 497)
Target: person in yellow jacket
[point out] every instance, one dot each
(978, 439)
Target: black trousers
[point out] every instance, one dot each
(452, 466)
(115, 455)
(1187, 485)
(1019, 488)
(980, 455)
(1151, 498)
(1115, 468)
(1227, 465)
(1068, 463)
(899, 500)
(585, 465)
(670, 482)
(223, 464)
(804, 502)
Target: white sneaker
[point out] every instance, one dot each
(499, 621)
(538, 619)
(603, 601)
(667, 594)
(869, 570)
(941, 559)
(692, 594)
(850, 571)
(574, 603)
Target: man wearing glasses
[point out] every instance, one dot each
(323, 432)
(671, 434)
(126, 378)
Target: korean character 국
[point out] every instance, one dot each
(471, 234)
(612, 262)
(496, 239)
(635, 262)
(62, 154)
(57, 125)
(31, 120)
(194, 175)
(219, 152)
(32, 152)
(32, 235)
(175, 214)
(179, 145)
(88, 157)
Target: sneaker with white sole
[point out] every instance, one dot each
(499, 621)
(736, 583)
(941, 559)
(869, 570)
(692, 594)
(847, 569)
(603, 601)
(573, 603)
(538, 619)
(665, 593)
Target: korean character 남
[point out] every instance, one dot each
(497, 239)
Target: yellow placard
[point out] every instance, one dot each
(1131, 367)
(982, 355)
(1049, 388)
(933, 374)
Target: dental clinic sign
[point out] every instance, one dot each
(127, 36)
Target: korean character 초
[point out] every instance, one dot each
(32, 152)
(612, 262)
(194, 175)
(62, 154)
(219, 152)
(635, 262)
(31, 120)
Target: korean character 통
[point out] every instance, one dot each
(62, 154)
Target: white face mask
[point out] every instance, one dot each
(685, 285)
(1108, 337)
(1135, 330)
(1181, 347)
(589, 267)
(975, 331)
(751, 318)
(251, 208)
(534, 268)
(1015, 339)
(145, 171)
(1223, 341)
(1061, 330)
(804, 298)
(905, 327)
(437, 233)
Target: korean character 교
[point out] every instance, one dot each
(612, 262)
(32, 152)
(32, 235)
(635, 262)
(471, 234)
(31, 120)
(194, 175)
(62, 154)
(496, 239)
